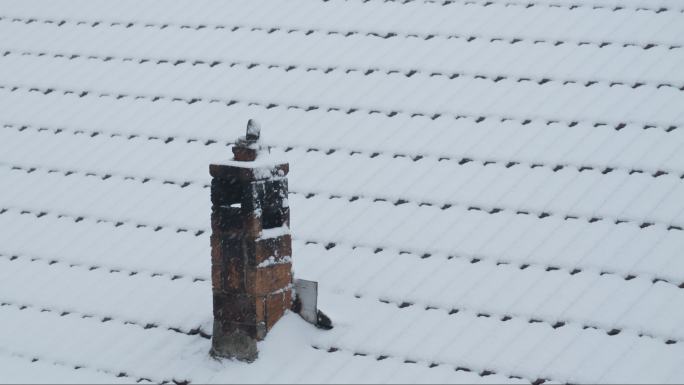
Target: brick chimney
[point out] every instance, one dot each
(251, 247)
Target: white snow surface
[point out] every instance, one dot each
(487, 191)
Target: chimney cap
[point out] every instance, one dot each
(247, 148)
(253, 130)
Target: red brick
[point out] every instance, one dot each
(272, 278)
(216, 278)
(260, 309)
(276, 306)
(279, 248)
(235, 278)
(235, 308)
(244, 154)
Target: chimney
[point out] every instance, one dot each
(251, 269)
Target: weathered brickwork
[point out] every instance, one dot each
(251, 249)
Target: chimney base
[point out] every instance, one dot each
(236, 344)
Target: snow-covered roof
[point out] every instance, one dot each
(486, 190)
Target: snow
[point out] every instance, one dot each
(270, 261)
(485, 191)
(274, 232)
(263, 165)
(25, 370)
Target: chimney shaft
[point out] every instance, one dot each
(251, 247)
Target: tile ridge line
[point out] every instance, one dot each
(461, 160)
(344, 33)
